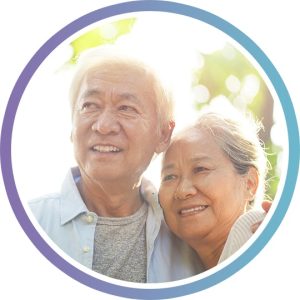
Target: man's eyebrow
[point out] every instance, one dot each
(128, 96)
(98, 93)
(91, 92)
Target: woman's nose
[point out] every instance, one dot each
(185, 189)
(106, 123)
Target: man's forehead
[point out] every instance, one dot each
(126, 77)
(100, 93)
(116, 67)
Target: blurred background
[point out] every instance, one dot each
(201, 65)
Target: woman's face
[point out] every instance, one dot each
(201, 193)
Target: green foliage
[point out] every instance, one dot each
(273, 176)
(105, 34)
(218, 67)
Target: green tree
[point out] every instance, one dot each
(225, 72)
(229, 73)
(105, 34)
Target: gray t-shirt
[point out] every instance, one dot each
(120, 246)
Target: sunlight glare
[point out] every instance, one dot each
(250, 87)
(233, 84)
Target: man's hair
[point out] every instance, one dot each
(107, 55)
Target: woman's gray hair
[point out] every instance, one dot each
(237, 135)
(97, 58)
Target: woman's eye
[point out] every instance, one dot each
(169, 177)
(200, 169)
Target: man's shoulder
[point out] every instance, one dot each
(45, 203)
(48, 199)
(173, 259)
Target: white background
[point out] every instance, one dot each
(25, 26)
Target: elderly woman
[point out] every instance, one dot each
(211, 174)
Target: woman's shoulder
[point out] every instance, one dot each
(241, 232)
(244, 222)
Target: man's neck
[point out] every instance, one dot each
(109, 200)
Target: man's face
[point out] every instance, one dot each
(115, 125)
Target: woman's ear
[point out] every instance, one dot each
(252, 179)
(165, 137)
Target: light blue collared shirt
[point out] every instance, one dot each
(68, 222)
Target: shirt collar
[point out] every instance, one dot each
(150, 195)
(72, 204)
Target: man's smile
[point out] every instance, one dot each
(106, 149)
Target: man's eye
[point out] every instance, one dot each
(127, 108)
(169, 177)
(88, 106)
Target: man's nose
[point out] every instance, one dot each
(185, 189)
(106, 122)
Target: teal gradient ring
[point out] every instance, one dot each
(151, 6)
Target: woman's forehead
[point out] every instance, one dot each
(193, 141)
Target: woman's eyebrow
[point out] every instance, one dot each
(168, 167)
(200, 158)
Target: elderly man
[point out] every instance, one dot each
(106, 216)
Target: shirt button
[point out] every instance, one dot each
(89, 219)
(86, 249)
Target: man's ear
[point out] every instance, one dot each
(251, 183)
(165, 137)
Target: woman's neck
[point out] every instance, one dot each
(209, 249)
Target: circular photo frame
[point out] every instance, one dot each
(184, 288)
